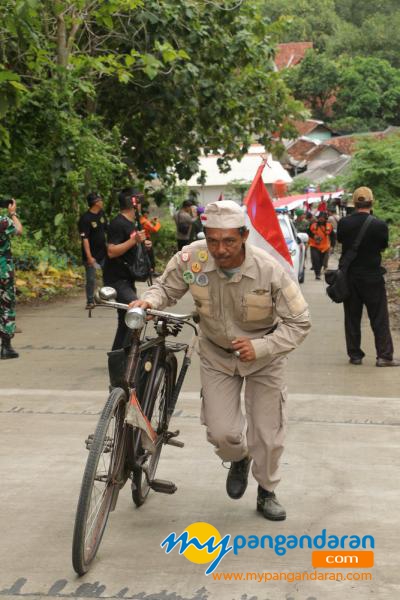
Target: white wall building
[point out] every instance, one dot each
(245, 170)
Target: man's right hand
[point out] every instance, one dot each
(140, 236)
(140, 304)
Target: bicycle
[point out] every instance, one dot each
(133, 426)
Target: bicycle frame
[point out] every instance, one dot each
(164, 322)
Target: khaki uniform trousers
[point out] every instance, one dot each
(260, 433)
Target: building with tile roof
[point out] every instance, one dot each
(290, 54)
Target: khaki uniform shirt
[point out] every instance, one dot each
(260, 302)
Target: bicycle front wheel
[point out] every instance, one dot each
(103, 477)
(159, 417)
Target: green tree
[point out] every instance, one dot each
(314, 81)
(221, 97)
(376, 164)
(368, 94)
(99, 91)
(357, 12)
(378, 37)
(304, 20)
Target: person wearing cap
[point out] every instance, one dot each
(320, 238)
(92, 228)
(301, 223)
(123, 237)
(366, 282)
(252, 314)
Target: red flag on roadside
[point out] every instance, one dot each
(264, 221)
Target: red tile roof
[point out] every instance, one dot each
(306, 127)
(290, 54)
(300, 149)
(344, 143)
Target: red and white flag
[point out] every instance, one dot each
(265, 231)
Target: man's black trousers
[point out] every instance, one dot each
(317, 260)
(371, 292)
(126, 292)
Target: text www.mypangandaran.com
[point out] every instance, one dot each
(292, 576)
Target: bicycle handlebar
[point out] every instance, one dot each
(136, 316)
(148, 311)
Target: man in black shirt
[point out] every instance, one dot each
(366, 282)
(92, 229)
(123, 237)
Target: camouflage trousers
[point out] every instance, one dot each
(7, 307)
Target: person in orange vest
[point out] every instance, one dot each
(320, 235)
(149, 227)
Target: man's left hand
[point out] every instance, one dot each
(12, 207)
(245, 347)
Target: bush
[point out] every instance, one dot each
(31, 254)
(164, 243)
(41, 271)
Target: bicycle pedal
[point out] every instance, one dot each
(89, 441)
(163, 486)
(177, 443)
(171, 441)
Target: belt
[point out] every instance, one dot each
(232, 350)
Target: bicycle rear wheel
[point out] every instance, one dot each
(159, 417)
(103, 477)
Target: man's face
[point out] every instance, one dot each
(136, 203)
(226, 246)
(98, 204)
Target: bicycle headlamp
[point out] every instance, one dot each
(135, 318)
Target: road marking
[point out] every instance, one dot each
(188, 395)
(303, 408)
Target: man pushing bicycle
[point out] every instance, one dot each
(252, 314)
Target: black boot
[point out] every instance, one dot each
(236, 482)
(7, 351)
(268, 505)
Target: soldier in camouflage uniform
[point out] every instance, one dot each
(9, 225)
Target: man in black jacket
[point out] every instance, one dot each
(92, 229)
(366, 282)
(123, 238)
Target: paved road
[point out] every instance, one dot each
(340, 470)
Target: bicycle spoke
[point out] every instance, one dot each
(103, 478)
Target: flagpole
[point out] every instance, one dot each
(255, 181)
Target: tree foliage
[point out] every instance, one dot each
(353, 94)
(304, 20)
(368, 93)
(314, 81)
(376, 164)
(96, 93)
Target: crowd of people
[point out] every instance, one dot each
(333, 223)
